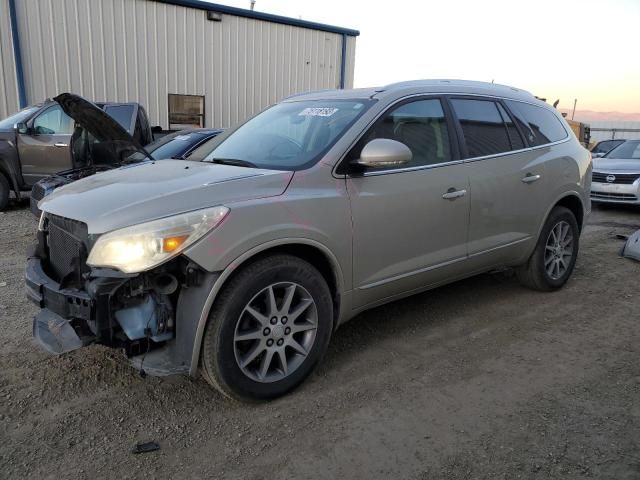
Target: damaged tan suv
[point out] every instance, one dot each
(241, 266)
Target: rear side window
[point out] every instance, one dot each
(121, 114)
(539, 125)
(484, 130)
(420, 125)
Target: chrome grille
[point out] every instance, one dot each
(66, 242)
(625, 197)
(624, 178)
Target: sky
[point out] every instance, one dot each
(557, 49)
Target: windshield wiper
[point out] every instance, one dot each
(235, 162)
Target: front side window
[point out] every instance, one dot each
(289, 135)
(539, 125)
(53, 121)
(628, 150)
(485, 133)
(420, 125)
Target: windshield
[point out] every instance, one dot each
(21, 116)
(290, 135)
(628, 150)
(175, 145)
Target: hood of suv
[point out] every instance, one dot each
(150, 190)
(114, 141)
(621, 165)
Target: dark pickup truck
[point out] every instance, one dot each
(42, 140)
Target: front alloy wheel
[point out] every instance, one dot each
(275, 332)
(269, 327)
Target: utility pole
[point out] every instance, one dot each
(574, 108)
(252, 4)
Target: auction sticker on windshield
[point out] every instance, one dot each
(318, 112)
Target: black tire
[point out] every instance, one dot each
(218, 360)
(4, 192)
(533, 274)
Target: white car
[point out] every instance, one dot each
(616, 176)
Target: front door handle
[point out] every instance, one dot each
(452, 194)
(60, 145)
(531, 178)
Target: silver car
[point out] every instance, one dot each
(616, 175)
(241, 266)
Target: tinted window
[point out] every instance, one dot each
(121, 114)
(539, 125)
(482, 126)
(53, 121)
(514, 137)
(629, 150)
(420, 125)
(174, 145)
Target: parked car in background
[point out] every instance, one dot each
(242, 265)
(616, 175)
(41, 140)
(605, 146)
(176, 145)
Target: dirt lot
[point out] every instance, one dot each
(481, 379)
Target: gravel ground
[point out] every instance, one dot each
(480, 379)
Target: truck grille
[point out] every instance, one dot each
(67, 247)
(624, 197)
(625, 178)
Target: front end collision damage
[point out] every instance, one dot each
(152, 316)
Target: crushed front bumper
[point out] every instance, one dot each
(71, 318)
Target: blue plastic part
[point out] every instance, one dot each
(135, 320)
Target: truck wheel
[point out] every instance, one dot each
(268, 329)
(4, 192)
(552, 262)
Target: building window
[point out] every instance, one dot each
(185, 111)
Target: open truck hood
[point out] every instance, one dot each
(114, 140)
(150, 190)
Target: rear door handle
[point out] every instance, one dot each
(452, 194)
(531, 178)
(60, 145)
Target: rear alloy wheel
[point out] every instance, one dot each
(268, 329)
(554, 258)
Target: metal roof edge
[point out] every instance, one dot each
(268, 17)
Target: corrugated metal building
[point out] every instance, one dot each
(219, 64)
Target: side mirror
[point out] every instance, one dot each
(21, 128)
(156, 129)
(597, 155)
(383, 152)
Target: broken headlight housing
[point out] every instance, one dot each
(142, 247)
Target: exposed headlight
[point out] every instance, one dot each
(141, 247)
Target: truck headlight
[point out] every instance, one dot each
(142, 247)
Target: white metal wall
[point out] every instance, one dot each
(617, 126)
(141, 50)
(8, 84)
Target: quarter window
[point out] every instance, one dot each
(420, 125)
(484, 131)
(52, 122)
(540, 125)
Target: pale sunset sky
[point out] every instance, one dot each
(564, 49)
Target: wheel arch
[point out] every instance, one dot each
(309, 250)
(574, 203)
